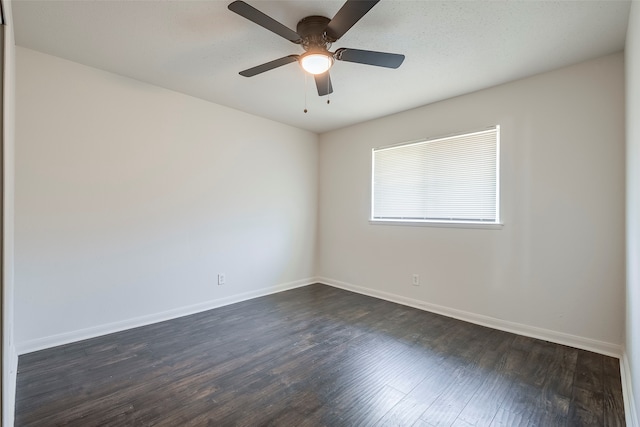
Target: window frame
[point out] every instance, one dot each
(496, 224)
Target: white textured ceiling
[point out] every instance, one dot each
(198, 48)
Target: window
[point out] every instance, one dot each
(454, 179)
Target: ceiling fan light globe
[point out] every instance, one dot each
(316, 63)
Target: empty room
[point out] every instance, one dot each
(320, 213)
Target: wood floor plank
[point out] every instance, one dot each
(419, 362)
(496, 385)
(589, 371)
(586, 408)
(316, 356)
(406, 412)
(519, 409)
(373, 407)
(448, 406)
(613, 401)
(483, 406)
(346, 395)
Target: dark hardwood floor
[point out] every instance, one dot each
(317, 356)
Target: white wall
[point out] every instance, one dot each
(632, 343)
(9, 356)
(556, 269)
(131, 198)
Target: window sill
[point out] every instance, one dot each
(439, 224)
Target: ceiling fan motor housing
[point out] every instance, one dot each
(312, 29)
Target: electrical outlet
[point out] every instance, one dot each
(221, 279)
(415, 280)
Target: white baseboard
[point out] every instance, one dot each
(608, 349)
(96, 331)
(589, 344)
(9, 388)
(630, 411)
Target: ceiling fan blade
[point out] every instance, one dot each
(323, 83)
(254, 15)
(370, 57)
(269, 66)
(347, 16)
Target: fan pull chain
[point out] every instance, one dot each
(305, 93)
(328, 91)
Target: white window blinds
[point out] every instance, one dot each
(452, 179)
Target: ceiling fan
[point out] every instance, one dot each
(316, 34)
